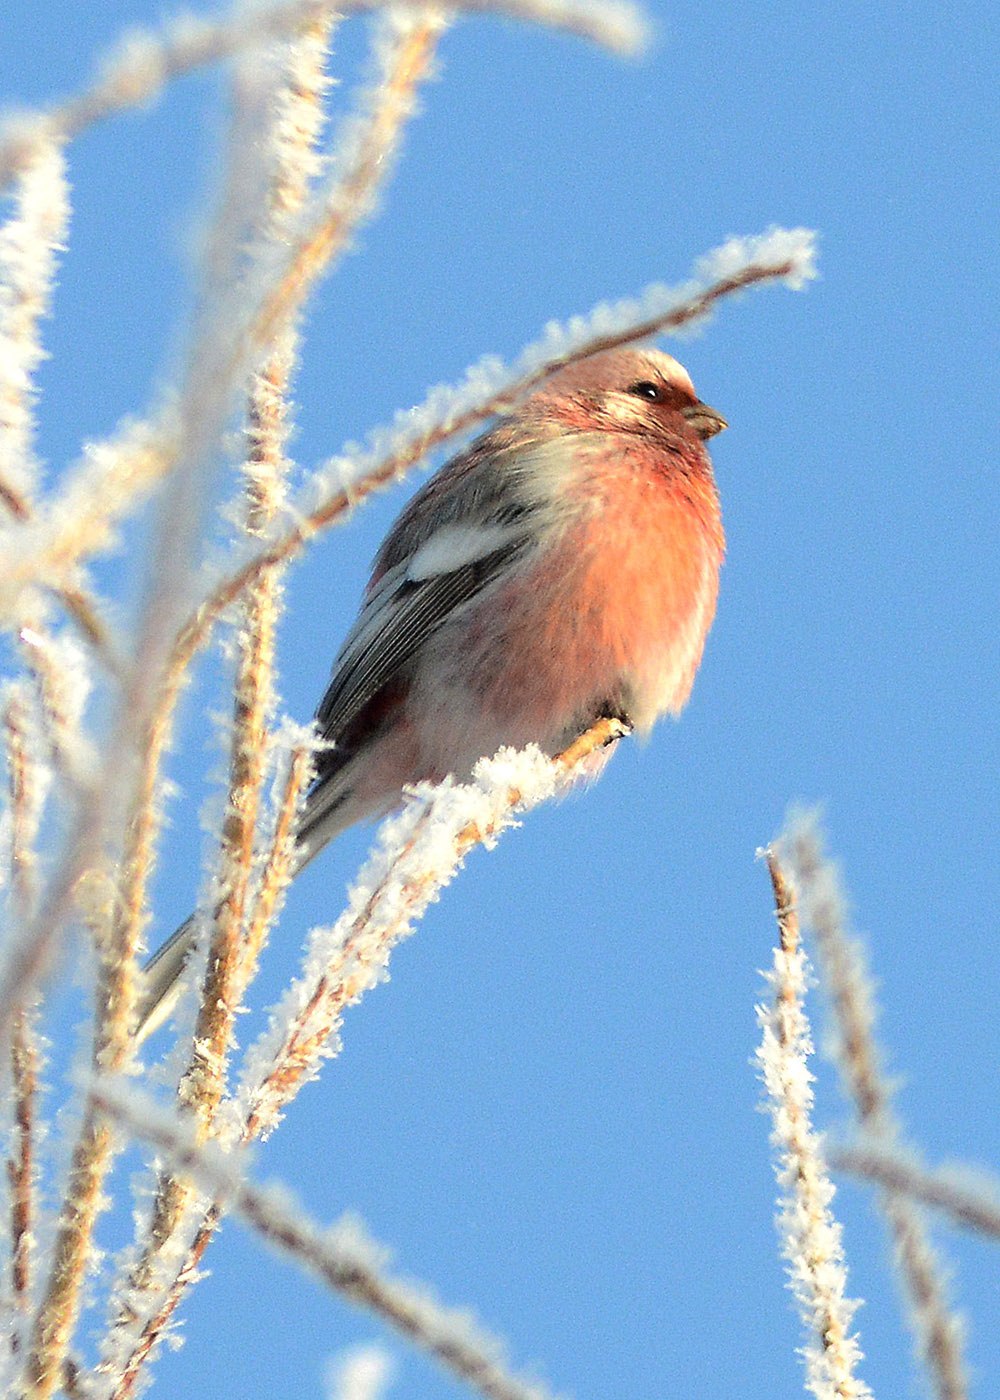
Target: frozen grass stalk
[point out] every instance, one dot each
(810, 1234)
(842, 961)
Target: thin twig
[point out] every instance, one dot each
(137, 72)
(973, 1204)
(937, 1330)
(26, 797)
(294, 130)
(342, 1257)
(810, 1234)
(380, 912)
(382, 469)
(231, 958)
(278, 867)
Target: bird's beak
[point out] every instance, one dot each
(705, 421)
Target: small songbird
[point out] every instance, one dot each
(562, 568)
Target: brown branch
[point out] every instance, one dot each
(295, 1061)
(138, 72)
(278, 868)
(24, 1062)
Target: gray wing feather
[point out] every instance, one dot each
(394, 625)
(493, 486)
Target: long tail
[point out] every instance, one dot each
(328, 812)
(162, 979)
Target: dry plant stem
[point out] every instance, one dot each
(148, 453)
(93, 1153)
(151, 451)
(817, 1265)
(24, 803)
(157, 1325)
(30, 242)
(203, 1084)
(61, 731)
(937, 1331)
(24, 1065)
(412, 62)
(14, 502)
(24, 1054)
(351, 197)
(232, 959)
(346, 1270)
(205, 391)
(291, 1069)
(186, 446)
(57, 1314)
(277, 871)
(295, 1061)
(974, 1207)
(134, 76)
(396, 464)
(117, 938)
(275, 877)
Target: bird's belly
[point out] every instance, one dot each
(576, 634)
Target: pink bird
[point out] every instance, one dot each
(564, 567)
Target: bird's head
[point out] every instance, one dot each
(644, 392)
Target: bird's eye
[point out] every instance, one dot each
(646, 389)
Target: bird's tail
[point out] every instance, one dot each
(162, 980)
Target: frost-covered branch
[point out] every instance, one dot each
(417, 853)
(29, 243)
(296, 122)
(846, 979)
(968, 1198)
(145, 62)
(341, 1256)
(811, 1236)
(403, 47)
(27, 784)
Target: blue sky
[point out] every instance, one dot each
(549, 1111)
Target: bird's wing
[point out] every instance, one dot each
(406, 605)
(467, 525)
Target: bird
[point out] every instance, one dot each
(562, 568)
